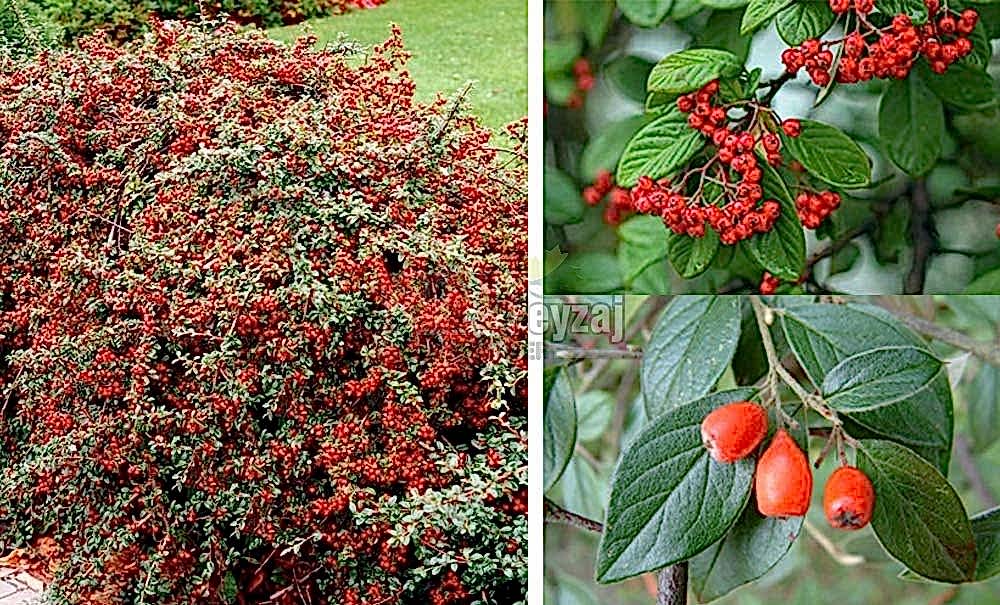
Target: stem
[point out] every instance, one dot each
(838, 555)
(986, 351)
(568, 352)
(920, 234)
(671, 585)
(761, 312)
(963, 456)
(774, 86)
(557, 514)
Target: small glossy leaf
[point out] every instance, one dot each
(669, 499)
(986, 528)
(804, 20)
(691, 69)
(782, 250)
(918, 518)
(822, 335)
(643, 244)
(691, 256)
(645, 13)
(911, 125)
(915, 9)
(880, 377)
(722, 31)
(759, 12)
(559, 424)
(689, 349)
(659, 148)
(830, 155)
(605, 149)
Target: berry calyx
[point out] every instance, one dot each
(733, 431)
(848, 498)
(783, 482)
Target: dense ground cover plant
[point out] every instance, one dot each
(261, 327)
(687, 440)
(710, 150)
(124, 19)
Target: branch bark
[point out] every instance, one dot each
(568, 352)
(920, 235)
(671, 585)
(988, 352)
(557, 514)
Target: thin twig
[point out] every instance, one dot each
(963, 455)
(557, 514)
(988, 352)
(837, 245)
(920, 234)
(774, 86)
(568, 352)
(835, 552)
(671, 585)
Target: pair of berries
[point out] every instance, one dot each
(583, 74)
(783, 482)
(620, 200)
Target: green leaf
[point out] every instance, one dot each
(963, 86)
(628, 74)
(804, 20)
(986, 528)
(915, 9)
(689, 349)
(669, 499)
(563, 203)
(751, 548)
(987, 283)
(604, 150)
(691, 69)
(591, 272)
(822, 335)
(724, 4)
(880, 377)
(559, 424)
(830, 155)
(759, 12)
(682, 9)
(691, 256)
(643, 244)
(593, 412)
(645, 13)
(581, 490)
(918, 518)
(722, 31)
(983, 395)
(659, 148)
(595, 19)
(911, 125)
(782, 250)
(560, 54)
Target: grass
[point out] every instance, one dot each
(453, 42)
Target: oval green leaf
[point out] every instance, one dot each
(669, 499)
(986, 528)
(559, 422)
(691, 256)
(645, 13)
(880, 377)
(659, 148)
(691, 69)
(963, 86)
(804, 20)
(911, 125)
(918, 517)
(759, 12)
(830, 155)
(689, 349)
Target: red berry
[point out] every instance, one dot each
(792, 127)
(733, 431)
(769, 284)
(848, 498)
(783, 483)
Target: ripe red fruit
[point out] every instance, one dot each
(792, 127)
(733, 431)
(784, 480)
(848, 498)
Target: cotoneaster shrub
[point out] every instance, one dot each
(123, 19)
(261, 327)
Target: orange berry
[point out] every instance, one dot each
(784, 480)
(733, 431)
(848, 498)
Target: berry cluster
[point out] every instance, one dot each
(783, 480)
(619, 198)
(814, 206)
(890, 52)
(296, 321)
(740, 211)
(583, 74)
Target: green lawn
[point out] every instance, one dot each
(453, 42)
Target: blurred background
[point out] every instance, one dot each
(823, 566)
